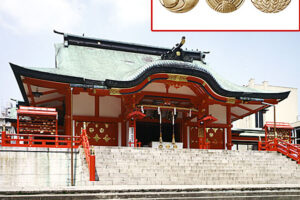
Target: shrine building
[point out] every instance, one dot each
(137, 95)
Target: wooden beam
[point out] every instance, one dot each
(97, 101)
(30, 94)
(245, 108)
(51, 92)
(236, 116)
(46, 84)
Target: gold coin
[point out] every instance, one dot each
(179, 6)
(271, 6)
(225, 6)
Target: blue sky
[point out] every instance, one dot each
(27, 39)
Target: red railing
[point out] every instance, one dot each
(89, 154)
(290, 150)
(136, 143)
(39, 140)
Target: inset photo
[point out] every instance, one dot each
(225, 15)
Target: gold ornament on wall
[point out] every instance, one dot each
(179, 6)
(106, 138)
(271, 6)
(177, 78)
(96, 138)
(101, 130)
(91, 130)
(225, 6)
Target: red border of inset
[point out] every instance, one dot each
(162, 30)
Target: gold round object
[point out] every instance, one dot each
(225, 6)
(271, 6)
(179, 6)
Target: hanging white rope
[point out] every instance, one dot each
(142, 109)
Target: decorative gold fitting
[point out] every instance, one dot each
(160, 139)
(84, 125)
(178, 53)
(114, 91)
(231, 100)
(173, 139)
(177, 78)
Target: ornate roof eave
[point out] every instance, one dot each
(190, 69)
(166, 67)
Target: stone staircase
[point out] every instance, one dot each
(147, 166)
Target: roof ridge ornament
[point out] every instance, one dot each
(177, 53)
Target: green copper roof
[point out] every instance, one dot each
(101, 64)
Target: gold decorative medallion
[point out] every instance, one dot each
(114, 91)
(106, 138)
(271, 6)
(175, 146)
(179, 6)
(177, 78)
(225, 6)
(168, 146)
(101, 130)
(211, 135)
(231, 100)
(96, 138)
(91, 130)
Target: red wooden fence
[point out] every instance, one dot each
(39, 140)
(89, 154)
(290, 150)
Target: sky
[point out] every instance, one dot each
(27, 39)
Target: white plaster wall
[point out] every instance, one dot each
(219, 112)
(155, 87)
(110, 106)
(83, 104)
(182, 90)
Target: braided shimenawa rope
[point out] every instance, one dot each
(271, 6)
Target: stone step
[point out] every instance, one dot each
(146, 166)
(286, 194)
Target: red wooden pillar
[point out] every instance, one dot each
(229, 135)
(204, 137)
(68, 112)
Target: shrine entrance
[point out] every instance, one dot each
(148, 132)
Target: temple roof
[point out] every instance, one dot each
(103, 63)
